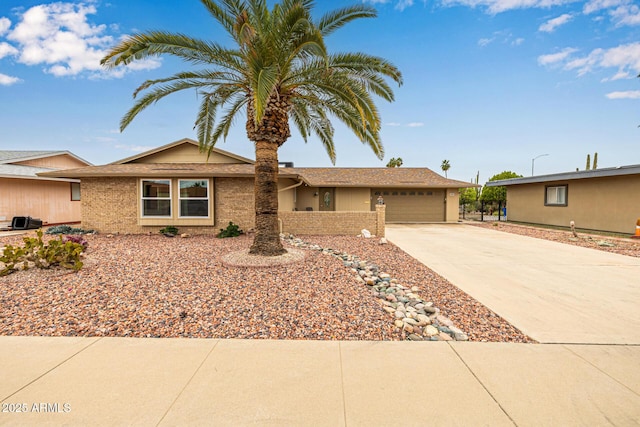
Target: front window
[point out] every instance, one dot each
(75, 191)
(556, 195)
(156, 198)
(194, 198)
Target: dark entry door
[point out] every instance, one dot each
(327, 199)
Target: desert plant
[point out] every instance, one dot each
(36, 252)
(232, 230)
(169, 230)
(76, 239)
(67, 229)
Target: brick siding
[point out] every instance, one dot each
(110, 205)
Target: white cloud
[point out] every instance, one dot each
(498, 6)
(60, 36)
(517, 42)
(597, 5)
(626, 15)
(624, 58)
(415, 124)
(394, 124)
(403, 4)
(134, 148)
(551, 25)
(5, 23)
(485, 41)
(630, 94)
(554, 58)
(8, 80)
(6, 49)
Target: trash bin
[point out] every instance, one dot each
(25, 223)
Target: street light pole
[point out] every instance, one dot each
(533, 161)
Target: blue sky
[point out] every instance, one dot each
(488, 84)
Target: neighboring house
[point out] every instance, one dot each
(602, 199)
(177, 185)
(54, 200)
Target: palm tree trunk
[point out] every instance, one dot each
(267, 238)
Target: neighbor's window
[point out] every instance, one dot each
(194, 198)
(156, 197)
(75, 191)
(556, 195)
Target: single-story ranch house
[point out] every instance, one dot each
(177, 185)
(54, 200)
(601, 199)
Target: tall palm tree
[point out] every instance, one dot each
(278, 70)
(445, 167)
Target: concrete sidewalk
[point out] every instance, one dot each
(129, 381)
(553, 292)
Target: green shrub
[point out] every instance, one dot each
(169, 229)
(67, 229)
(232, 230)
(42, 255)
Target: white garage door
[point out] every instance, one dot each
(412, 205)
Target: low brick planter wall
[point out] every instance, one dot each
(349, 223)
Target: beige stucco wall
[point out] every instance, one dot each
(186, 153)
(452, 205)
(607, 204)
(49, 201)
(353, 199)
(306, 198)
(286, 198)
(62, 161)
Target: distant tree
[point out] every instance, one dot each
(588, 162)
(468, 196)
(595, 161)
(395, 163)
(497, 194)
(445, 166)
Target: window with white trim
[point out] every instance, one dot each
(555, 195)
(156, 198)
(194, 198)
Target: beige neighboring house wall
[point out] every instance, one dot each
(24, 193)
(594, 201)
(123, 196)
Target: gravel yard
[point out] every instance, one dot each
(153, 286)
(621, 246)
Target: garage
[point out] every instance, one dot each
(412, 205)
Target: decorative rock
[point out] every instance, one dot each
(399, 314)
(415, 337)
(407, 328)
(185, 235)
(365, 233)
(430, 331)
(444, 320)
(389, 309)
(383, 241)
(391, 297)
(399, 323)
(409, 321)
(384, 276)
(415, 289)
(429, 310)
(444, 337)
(423, 320)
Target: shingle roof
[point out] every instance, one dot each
(315, 177)
(19, 171)
(566, 176)
(8, 156)
(376, 177)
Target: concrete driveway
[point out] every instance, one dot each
(553, 292)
